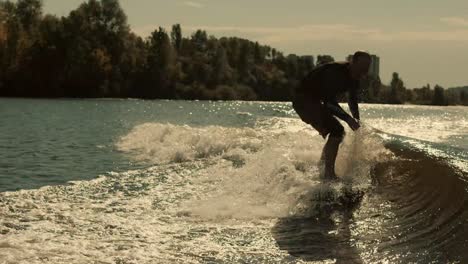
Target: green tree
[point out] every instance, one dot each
(221, 68)
(245, 62)
(3, 37)
(29, 13)
(292, 66)
(160, 63)
(322, 59)
(48, 57)
(21, 34)
(12, 32)
(259, 53)
(423, 95)
(397, 90)
(97, 31)
(439, 96)
(273, 54)
(233, 49)
(176, 36)
(200, 39)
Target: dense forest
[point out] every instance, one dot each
(93, 53)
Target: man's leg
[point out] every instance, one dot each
(330, 150)
(329, 153)
(320, 119)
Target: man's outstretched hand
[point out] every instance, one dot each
(353, 124)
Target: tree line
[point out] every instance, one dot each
(93, 53)
(397, 93)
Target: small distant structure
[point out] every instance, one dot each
(374, 69)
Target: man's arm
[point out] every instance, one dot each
(337, 111)
(353, 103)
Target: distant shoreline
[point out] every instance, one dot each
(195, 100)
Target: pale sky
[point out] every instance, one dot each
(425, 41)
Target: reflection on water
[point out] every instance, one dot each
(325, 234)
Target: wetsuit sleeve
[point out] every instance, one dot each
(337, 111)
(353, 103)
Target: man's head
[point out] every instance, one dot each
(360, 64)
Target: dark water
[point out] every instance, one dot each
(415, 213)
(130, 181)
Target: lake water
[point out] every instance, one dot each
(134, 181)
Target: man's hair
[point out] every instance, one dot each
(360, 54)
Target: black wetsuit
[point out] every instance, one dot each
(316, 97)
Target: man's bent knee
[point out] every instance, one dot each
(338, 133)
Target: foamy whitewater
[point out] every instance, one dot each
(130, 181)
